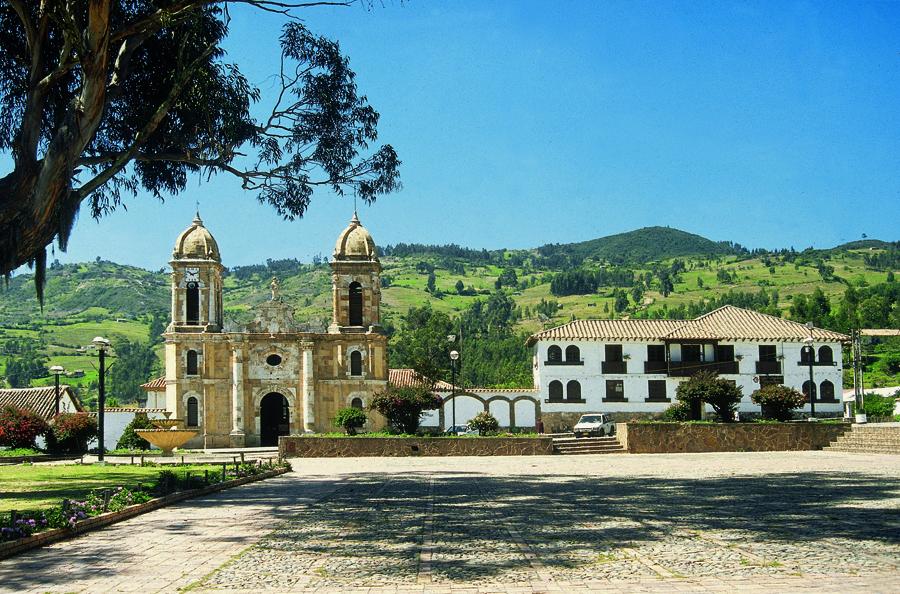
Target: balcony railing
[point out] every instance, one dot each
(579, 362)
(656, 367)
(688, 368)
(614, 366)
(768, 367)
(817, 363)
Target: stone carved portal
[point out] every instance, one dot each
(274, 418)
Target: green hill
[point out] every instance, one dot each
(641, 246)
(651, 272)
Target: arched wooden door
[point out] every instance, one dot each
(274, 418)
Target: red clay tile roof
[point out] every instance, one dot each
(735, 323)
(405, 378)
(612, 329)
(132, 409)
(408, 377)
(41, 400)
(155, 385)
(726, 323)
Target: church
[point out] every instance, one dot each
(247, 388)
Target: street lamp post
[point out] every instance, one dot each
(811, 360)
(454, 358)
(102, 345)
(57, 370)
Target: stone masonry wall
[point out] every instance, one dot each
(658, 438)
(339, 447)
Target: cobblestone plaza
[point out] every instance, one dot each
(799, 521)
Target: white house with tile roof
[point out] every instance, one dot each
(631, 368)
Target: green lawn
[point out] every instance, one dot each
(26, 487)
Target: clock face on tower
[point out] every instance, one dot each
(191, 274)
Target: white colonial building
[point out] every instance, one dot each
(631, 368)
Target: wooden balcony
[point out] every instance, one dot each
(768, 367)
(656, 367)
(614, 367)
(689, 368)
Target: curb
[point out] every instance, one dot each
(13, 547)
(38, 458)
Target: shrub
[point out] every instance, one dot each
(778, 402)
(680, 411)
(131, 440)
(484, 422)
(403, 407)
(73, 431)
(19, 427)
(707, 387)
(350, 419)
(878, 406)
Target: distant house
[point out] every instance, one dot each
(631, 368)
(42, 400)
(156, 393)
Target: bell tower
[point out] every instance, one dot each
(196, 281)
(356, 282)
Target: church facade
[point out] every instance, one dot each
(247, 388)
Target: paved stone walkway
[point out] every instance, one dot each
(809, 521)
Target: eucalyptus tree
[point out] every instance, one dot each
(102, 99)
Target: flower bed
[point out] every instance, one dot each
(70, 515)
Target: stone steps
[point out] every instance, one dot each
(868, 440)
(588, 445)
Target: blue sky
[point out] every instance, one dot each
(523, 123)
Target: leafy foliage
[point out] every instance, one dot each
(679, 411)
(19, 427)
(350, 419)
(484, 422)
(403, 407)
(134, 364)
(138, 95)
(721, 394)
(131, 440)
(73, 431)
(23, 368)
(877, 406)
(778, 402)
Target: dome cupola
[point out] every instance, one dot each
(196, 243)
(355, 244)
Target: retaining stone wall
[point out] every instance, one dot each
(659, 438)
(340, 447)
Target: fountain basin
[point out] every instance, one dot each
(167, 439)
(165, 423)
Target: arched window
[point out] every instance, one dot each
(355, 363)
(193, 367)
(356, 403)
(554, 354)
(807, 355)
(193, 413)
(193, 303)
(356, 304)
(573, 390)
(826, 391)
(572, 354)
(556, 390)
(826, 355)
(805, 390)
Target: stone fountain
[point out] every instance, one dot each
(167, 434)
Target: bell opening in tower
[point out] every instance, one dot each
(356, 304)
(193, 303)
